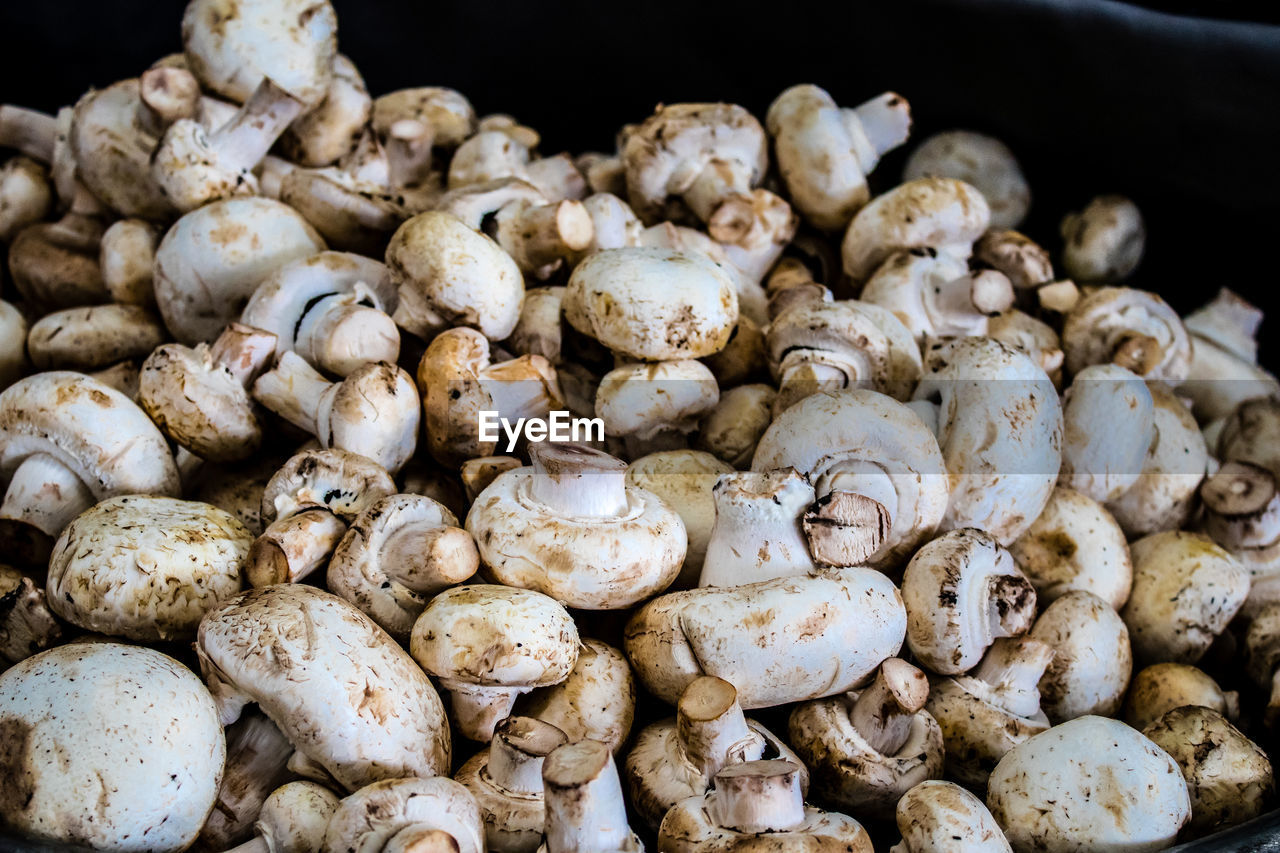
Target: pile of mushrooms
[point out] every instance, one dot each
(887, 523)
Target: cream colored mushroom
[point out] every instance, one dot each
(293, 819)
(257, 764)
(1025, 262)
(655, 406)
(1092, 661)
(757, 534)
(733, 429)
(980, 160)
(415, 123)
(1262, 658)
(1108, 427)
(935, 295)
(942, 817)
(538, 331)
(1104, 242)
(1135, 329)
(585, 809)
(323, 134)
(13, 345)
(127, 260)
(26, 196)
(406, 816)
(1161, 687)
(346, 696)
(597, 701)
(752, 300)
(1242, 514)
(685, 479)
(86, 339)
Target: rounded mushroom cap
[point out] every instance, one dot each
(938, 213)
(344, 483)
(117, 747)
(1161, 687)
(294, 817)
(642, 400)
(1092, 660)
(597, 701)
(1186, 589)
(1108, 426)
(146, 568)
(56, 264)
(199, 403)
(941, 817)
(446, 113)
(1134, 328)
(369, 819)
(113, 152)
(212, 259)
(493, 635)
(94, 430)
(1103, 242)
(1075, 544)
(652, 304)
(26, 196)
(374, 412)
(1089, 784)
(982, 161)
(1228, 776)
(344, 694)
(684, 479)
(93, 337)
(232, 45)
(452, 275)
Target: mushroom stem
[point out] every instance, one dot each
(167, 94)
(517, 752)
(984, 292)
(585, 810)
(885, 122)
(478, 708)
(28, 131)
(757, 534)
(536, 235)
(243, 350)
(421, 838)
(342, 332)
(712, 729)
(408, 152)
(427, 558)
(1011, 603)
(294, 390)
(1138, 353)
(271, 174)
(758, 797)
(1013, 667)
(242, 142)
(883, 712)
(45, 494)
(292, 548)
(1242, 506)
(576, 481)
(802, 379)
(865, 523)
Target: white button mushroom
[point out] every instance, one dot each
(488, 644)
(733, 429)
(397, 815)
(1161, 687)
(655, 406)
(115, 747)
(752, 300)
(26, 196)
(570, 527)
(1108, 424)
(757, 535)
(1135, 329)
(13, 345)
(1092, 660)
(685, 480)
(1104, 242)
(293, 820)
(597, 701)
(942, 817)
(1089, 784)
(348, 698)
(126, 257)
(415, 123)
(1025, 262)
(321, 136)
(980, 160)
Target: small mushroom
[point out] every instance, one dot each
(1135, 329)
(1108, 420)
(678, 758)
(571, 528)
(433, 815)
(597, 701)
(127, 255)
(1092, 660)
(585, 809)
(1161, 687)
(757, 804)
(397, 553)
(1104, 242)
(26, 197)
(963, 592)
(685, 480)
(732, 430)
(415, 123)
(479, 473)
(488, 644)
(55, 264)
(868, 751)
(117, 747)
(27, 625)
(86, 339)
(757, 534)
(1091, 783)
(941, 817)
(980, 160)
(1025, 262)
(935, 295)
(1242, 513)
(655, 405)
(538, 331)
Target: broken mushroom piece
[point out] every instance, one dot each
(432, 815)
(488, 644)
(757, 804)
(655, 406)
(86, 339)
(675, 759)
(982, 161)
(346, 696)
(538, 331)
(1103, 243)
(869, 750)
(136, 772)
(1228, 776)
(935, 295)
(374, 411)
(506, 781)
(570, 527)
(597, 701)
(685, 479)
(585, 809)
(1161, 687)
(941, 817)
(1135, 329)
(757, 534)
(1091, 783)
(992, 709)
(1092, 660)
(27, 625)
(396, 554)
(825, 152)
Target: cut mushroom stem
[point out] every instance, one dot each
(585, 809)
(536, 235)
(29, 131)
(885, 121)
(883, 712)
(1138, 353)
(292, 548)
(984, 292)
(343, 331)
(427, 557)
(44, 496)
(846, 528)
(758, 796)
(517, 752)
(1013, 668)
(757, 534)
(576, 481)
(1242, 506)
(712, 728)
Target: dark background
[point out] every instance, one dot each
(1180, 112)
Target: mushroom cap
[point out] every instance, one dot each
(451, 275)
(827, 430)
(1103, 319)
(373, 412)
(473, 203)
(1000, 431)
(232, 45)
(344, 694)
(146, 568)
(684, 479)
(589, 562)
(1186, 589)
(1228, 776)
(199, 403)
(1103, 242)
(939, 213)
(294, 817)
(777, 641)
(1089, 784)
(1092, 660)
(642, 400)
(1108, 423)
(351, 214)
(941, 817)
(113, 152)
(342, 482)
(366, 821)
(732, 430)
(1075, 544)
(982, 161)
(26, 196)
(597, 701)
(117, 747)
(491, 635)
(446, 112)
(653, 304)
(56, 264)
(753, 302)
(93, 337)
(211, 260)
(1161, 687)
(954, 589)
(94, 430)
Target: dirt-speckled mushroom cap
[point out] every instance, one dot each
(199, 403)
(447, 113)
(368, 820)
(1135, 328)
(1091, 784)
(1092, 661)
(146, 568)
(653, 304)
(113, 152)
(116, 747)
(981, 161)
(1161, 687)
(93, 337)
(941, 817)
(211, 260)
(597, 701)
(345, 695)
(342, 482)
(232, 45)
